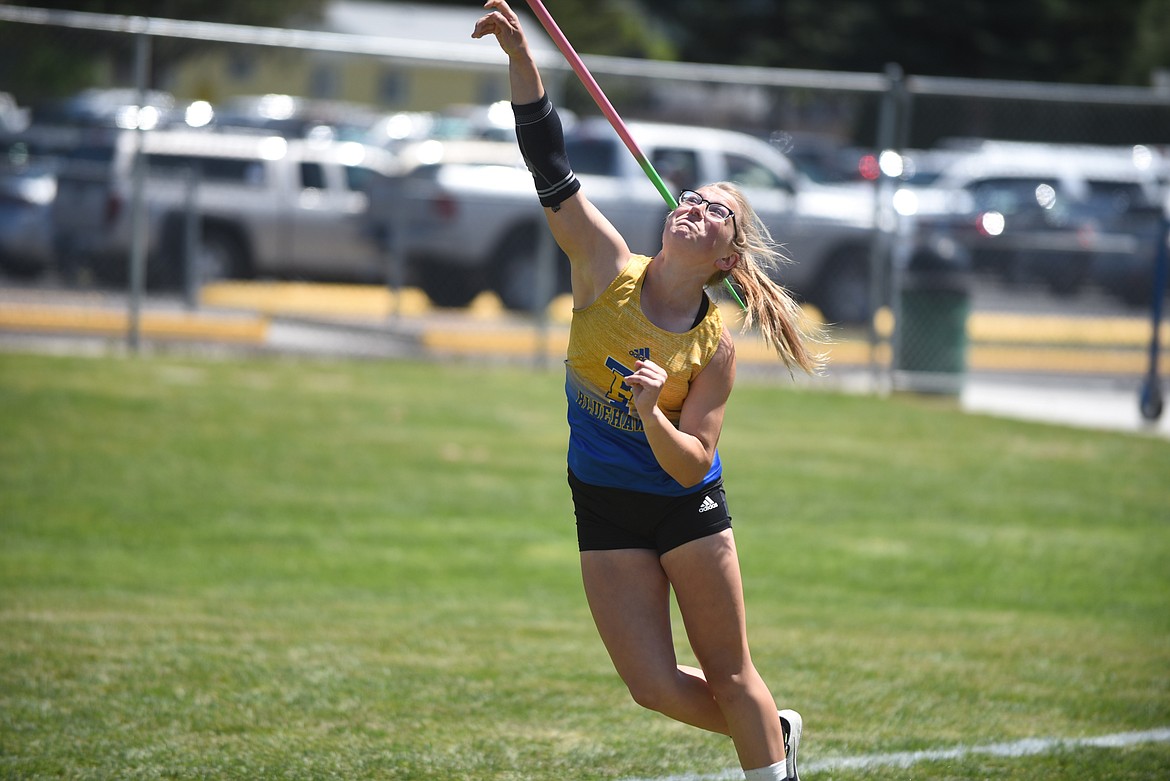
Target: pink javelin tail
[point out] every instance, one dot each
(599, 97)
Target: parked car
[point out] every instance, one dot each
(26, 198)
(1036, 213)
(264, 205)
(296, 117)
(464, 227)
(13, 117)
(112, 108)
(1127, 270)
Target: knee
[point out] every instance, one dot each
(649, 694)
(730, 687)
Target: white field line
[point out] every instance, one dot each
(904, 759)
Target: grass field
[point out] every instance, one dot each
(277, 569)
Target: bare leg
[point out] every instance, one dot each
(629, 596)
(706, 578)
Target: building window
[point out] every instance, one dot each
(323, 82)
(241, 65)
(393, 87)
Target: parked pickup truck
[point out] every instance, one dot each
(262, 204)
(464, 227)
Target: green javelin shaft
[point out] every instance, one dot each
(648, 169)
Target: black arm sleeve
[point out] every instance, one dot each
(542, 143)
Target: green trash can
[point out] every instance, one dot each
(931, 344)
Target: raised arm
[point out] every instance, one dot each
(595, 250)
(502, 22)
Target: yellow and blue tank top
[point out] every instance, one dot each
(607, 445)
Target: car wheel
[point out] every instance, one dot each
(219, 256)
(108, 270)
(20, 267)
(1130, 293)
(516, 272)
(447, 286)
(1069, 279)
(842, 293)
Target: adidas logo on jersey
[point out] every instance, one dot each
(641, 353)
(708, 504)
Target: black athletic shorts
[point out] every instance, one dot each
(615, 518)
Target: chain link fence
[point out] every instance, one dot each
(1054, 196)
(986, 226)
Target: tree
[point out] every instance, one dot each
(1041, 40)
(1151, 49)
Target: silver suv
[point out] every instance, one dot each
(263, 205)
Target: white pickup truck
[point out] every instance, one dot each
(264, 206)
(462, 227)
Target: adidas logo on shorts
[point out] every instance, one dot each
(708, 504)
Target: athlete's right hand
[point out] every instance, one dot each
(646, 384)
(503, 23)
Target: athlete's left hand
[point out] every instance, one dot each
(646, 384)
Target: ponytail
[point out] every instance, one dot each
(768, 305)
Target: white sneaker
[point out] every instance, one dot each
(793, 725)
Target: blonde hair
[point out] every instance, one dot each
(767, 304)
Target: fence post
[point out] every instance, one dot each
(390, 244)
(1150, 401)
(883, 215)
(138, 224)
(192, 283)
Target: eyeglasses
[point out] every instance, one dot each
(715, 211)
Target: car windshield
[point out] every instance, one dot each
(592, 156)
(1118, 196)
(359, 178)
(210, 169)
(92, 154)
(1011, 195)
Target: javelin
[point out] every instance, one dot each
(590, 84)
